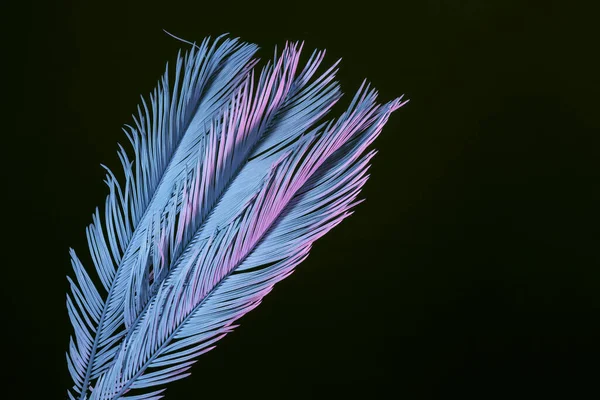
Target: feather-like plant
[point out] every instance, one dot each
(234, 175)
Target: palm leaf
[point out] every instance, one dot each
(233, 211)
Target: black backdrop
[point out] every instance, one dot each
(471, 271)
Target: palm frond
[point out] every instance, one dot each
(208, 222)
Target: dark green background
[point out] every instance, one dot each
(472, 269)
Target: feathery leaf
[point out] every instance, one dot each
(235, 177)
